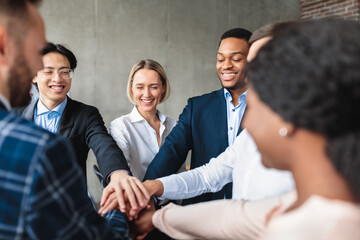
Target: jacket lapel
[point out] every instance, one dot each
(221, 119)
(28, 112)
(67, 119)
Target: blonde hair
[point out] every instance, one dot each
(151, 65)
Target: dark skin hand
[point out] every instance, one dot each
(142, 225)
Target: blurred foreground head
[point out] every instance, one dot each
(309, 74)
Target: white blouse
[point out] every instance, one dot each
(138, 140)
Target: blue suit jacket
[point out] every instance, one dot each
(202, 128)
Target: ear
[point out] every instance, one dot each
(3, 41)
(290, 129)
(34, 80)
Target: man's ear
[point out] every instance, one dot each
(2, 45)
(34, 80)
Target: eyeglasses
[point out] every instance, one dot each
(64, 73)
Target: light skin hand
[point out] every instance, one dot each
(112, 203)
(126, 189)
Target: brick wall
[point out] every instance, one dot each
(348, 9)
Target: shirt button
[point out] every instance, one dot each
(231, 128)
(233, 110)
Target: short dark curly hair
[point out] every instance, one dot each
(310, 75)
(240, 33)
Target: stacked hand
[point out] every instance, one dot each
(132, 197)
(125, 193)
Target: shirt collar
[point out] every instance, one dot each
(242, 97)
(41, 109)
(135, 116)
(5, 102)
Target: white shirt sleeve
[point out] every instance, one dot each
(208, 178)
(118, 132)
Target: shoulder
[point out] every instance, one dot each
(209, 95)
(82, 110)
(331, 217)
(79, 105)
(170, 121)
(121, 121)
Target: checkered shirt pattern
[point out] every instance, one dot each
(43, 194)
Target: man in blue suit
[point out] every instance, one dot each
(209, 123)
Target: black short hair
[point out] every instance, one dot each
(310, 75)
(239, 33)
(58, 48)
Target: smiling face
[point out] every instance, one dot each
(52, 86)
(147, 90)
(231, 59)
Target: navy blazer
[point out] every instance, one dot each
(84, 127)
(202, 128)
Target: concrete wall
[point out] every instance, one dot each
(109, 36)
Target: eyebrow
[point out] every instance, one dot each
(144, 84)
(63, 67)
(233, 53)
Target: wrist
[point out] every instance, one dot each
(118, 174)
(154, 187)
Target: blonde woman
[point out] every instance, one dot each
(140, 133)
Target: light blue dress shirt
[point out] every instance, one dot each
(47, 119)
(234, 114)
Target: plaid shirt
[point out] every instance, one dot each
(42, 191)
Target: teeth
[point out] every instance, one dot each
(149, 101)
(57, 88)
(229, 74)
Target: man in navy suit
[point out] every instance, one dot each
(209, 123)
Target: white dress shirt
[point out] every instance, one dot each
(239, 163)
(138, 140)
(234, 114)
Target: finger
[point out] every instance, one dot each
(130, 195)
(109, 201)
(143, 189)
(120, 197)
(112, 205)
(141, 199)
(106, 193)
